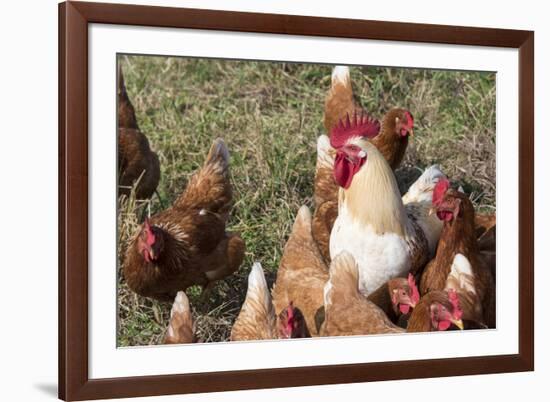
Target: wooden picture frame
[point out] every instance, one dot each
(74, 381)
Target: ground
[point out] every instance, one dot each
(270, 115)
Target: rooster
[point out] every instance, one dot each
(347, 310)
(257, 319)
(386, 237)
(458, 254)
(391, 139)
(138, 165)
(187, 244)
(302, 273)
(180, 329)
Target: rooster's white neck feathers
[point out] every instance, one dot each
(373, 197)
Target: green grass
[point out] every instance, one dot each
(270, 115)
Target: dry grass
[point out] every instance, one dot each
(270, 115)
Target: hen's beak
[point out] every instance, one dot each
(432, 211)
(151, 253)
(411, 132)
(458, 323)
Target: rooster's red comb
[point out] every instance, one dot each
(415, 295)
(439, 190)
(360, 126)
(453, 298)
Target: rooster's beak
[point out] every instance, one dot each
(431, 211)
(411, 132)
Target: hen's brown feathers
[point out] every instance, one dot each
(180, 328)
(209, 188)
(194, 247)
(383, 299)
(420, 320)
(126, 112)
(137, 163)
(457, 253)
(257, 319)
(339, 101)
(388, 142)
(457, 236)
(302, 272)
(347, 311)
(325, 197)
(321, 226)
(484, 223)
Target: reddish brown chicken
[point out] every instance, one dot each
(138, 165)
(126, 111)
(438, 310)
(180, 329)
(396, 298)
(485, 223)
(458, 253)
(302, 273)
(347, 311)
(391, 139)
(187, 243)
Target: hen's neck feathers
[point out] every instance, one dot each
(174, 250)
(373, 197)
(458, 236)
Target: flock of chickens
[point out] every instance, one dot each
(367, 261)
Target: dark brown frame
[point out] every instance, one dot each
(74, 17)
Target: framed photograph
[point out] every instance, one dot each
(259, 200)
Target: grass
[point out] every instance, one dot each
(270, 115)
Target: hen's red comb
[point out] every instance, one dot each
(410, 119)
(439, 190)
(149, 232)
(415, 295)
(359, 126)
(453, 298)
(290, 312)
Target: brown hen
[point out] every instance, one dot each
(257, 319)
(187, 244)
(180, 327)
(138, 165)
(347, 311)
(438, 310)
(302, 273)
(396, 298)
(458, 252)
